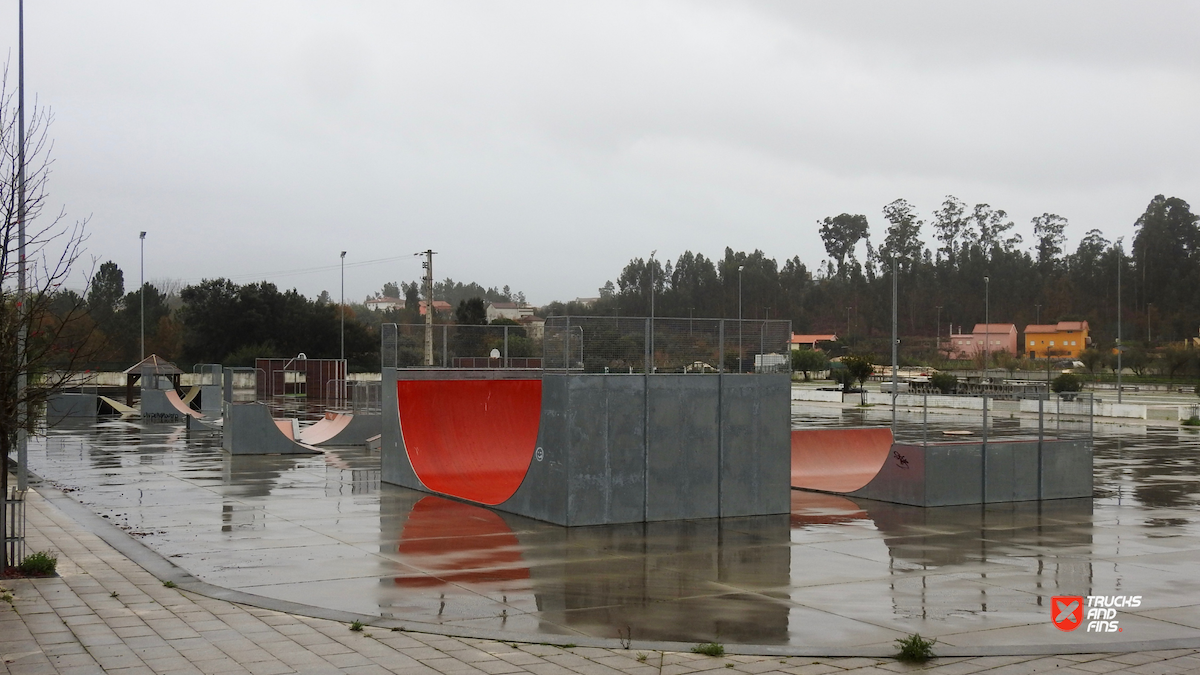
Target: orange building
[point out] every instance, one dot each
(1065, 339)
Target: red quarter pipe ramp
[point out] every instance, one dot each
(838, 460)
(471, 439)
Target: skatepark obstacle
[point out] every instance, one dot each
(249, 429)
(867, 463)
(586, 448)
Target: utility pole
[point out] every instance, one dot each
(142, 290)
(740, 268)
(428, 265)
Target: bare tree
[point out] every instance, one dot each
(44, 328)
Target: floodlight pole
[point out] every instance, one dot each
(142, 290)
(1120, 348)
(740, 268)
(342, 306)
(895, 347)
(987, 329)
(651, 336)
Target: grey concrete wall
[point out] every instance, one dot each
(683, 438)
(71, 405)
(953, 474)
(756, 445)
(595, 463)
(1066, 469)
(250, 430)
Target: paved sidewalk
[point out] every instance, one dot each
(105, 614)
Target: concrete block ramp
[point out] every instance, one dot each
(249, 429)
(166, 405)
(590, 449)
(867, 463)
(340, 428)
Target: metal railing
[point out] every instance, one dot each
(595, 344)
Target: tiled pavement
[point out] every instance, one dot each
(105, 614)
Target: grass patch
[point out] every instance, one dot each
(169, 584)
(915, 649)
(40, 564)
(357, 626)
(641, 657)
(709, 649)
(1191, 422)
(114, 594)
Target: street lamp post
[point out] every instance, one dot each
(987, 327)
(142, 290)
(1149, 309)
(651, 266)
(740, 268)
(1120, 348)
(342, 306)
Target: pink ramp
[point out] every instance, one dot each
(471, 439)
(178, 404)
(838, 460)
(326, 428)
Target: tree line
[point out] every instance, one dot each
(977, 264)
(848, 293)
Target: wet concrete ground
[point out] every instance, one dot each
(835, 572)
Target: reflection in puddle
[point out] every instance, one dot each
(323, 530)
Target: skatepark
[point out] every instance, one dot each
(329, 532)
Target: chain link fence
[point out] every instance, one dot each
(595, 344)
(462, 346)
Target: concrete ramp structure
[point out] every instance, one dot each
(165, 405)
(342, 428)
(867, 463)
(249, 429)
(585, 449)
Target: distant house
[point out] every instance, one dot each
(1065, 339)
(535, 326)
(439, 307)
(587, 302)
(810, 341)
(382, 304)
(507, 310)
(985, 337)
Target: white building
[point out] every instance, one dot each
(507, 310)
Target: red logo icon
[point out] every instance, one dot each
(1066, 611)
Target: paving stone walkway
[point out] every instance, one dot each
(105, 614)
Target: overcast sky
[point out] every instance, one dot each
(543, 145)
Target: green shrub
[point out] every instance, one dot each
(42, 563)
(945, 382)
(709, 649)
(915, 648)
(1067, 382)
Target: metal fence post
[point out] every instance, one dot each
(445, 345)
(1041, 437)
(506, 346)
(983, 453)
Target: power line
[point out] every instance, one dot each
(298, 271)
